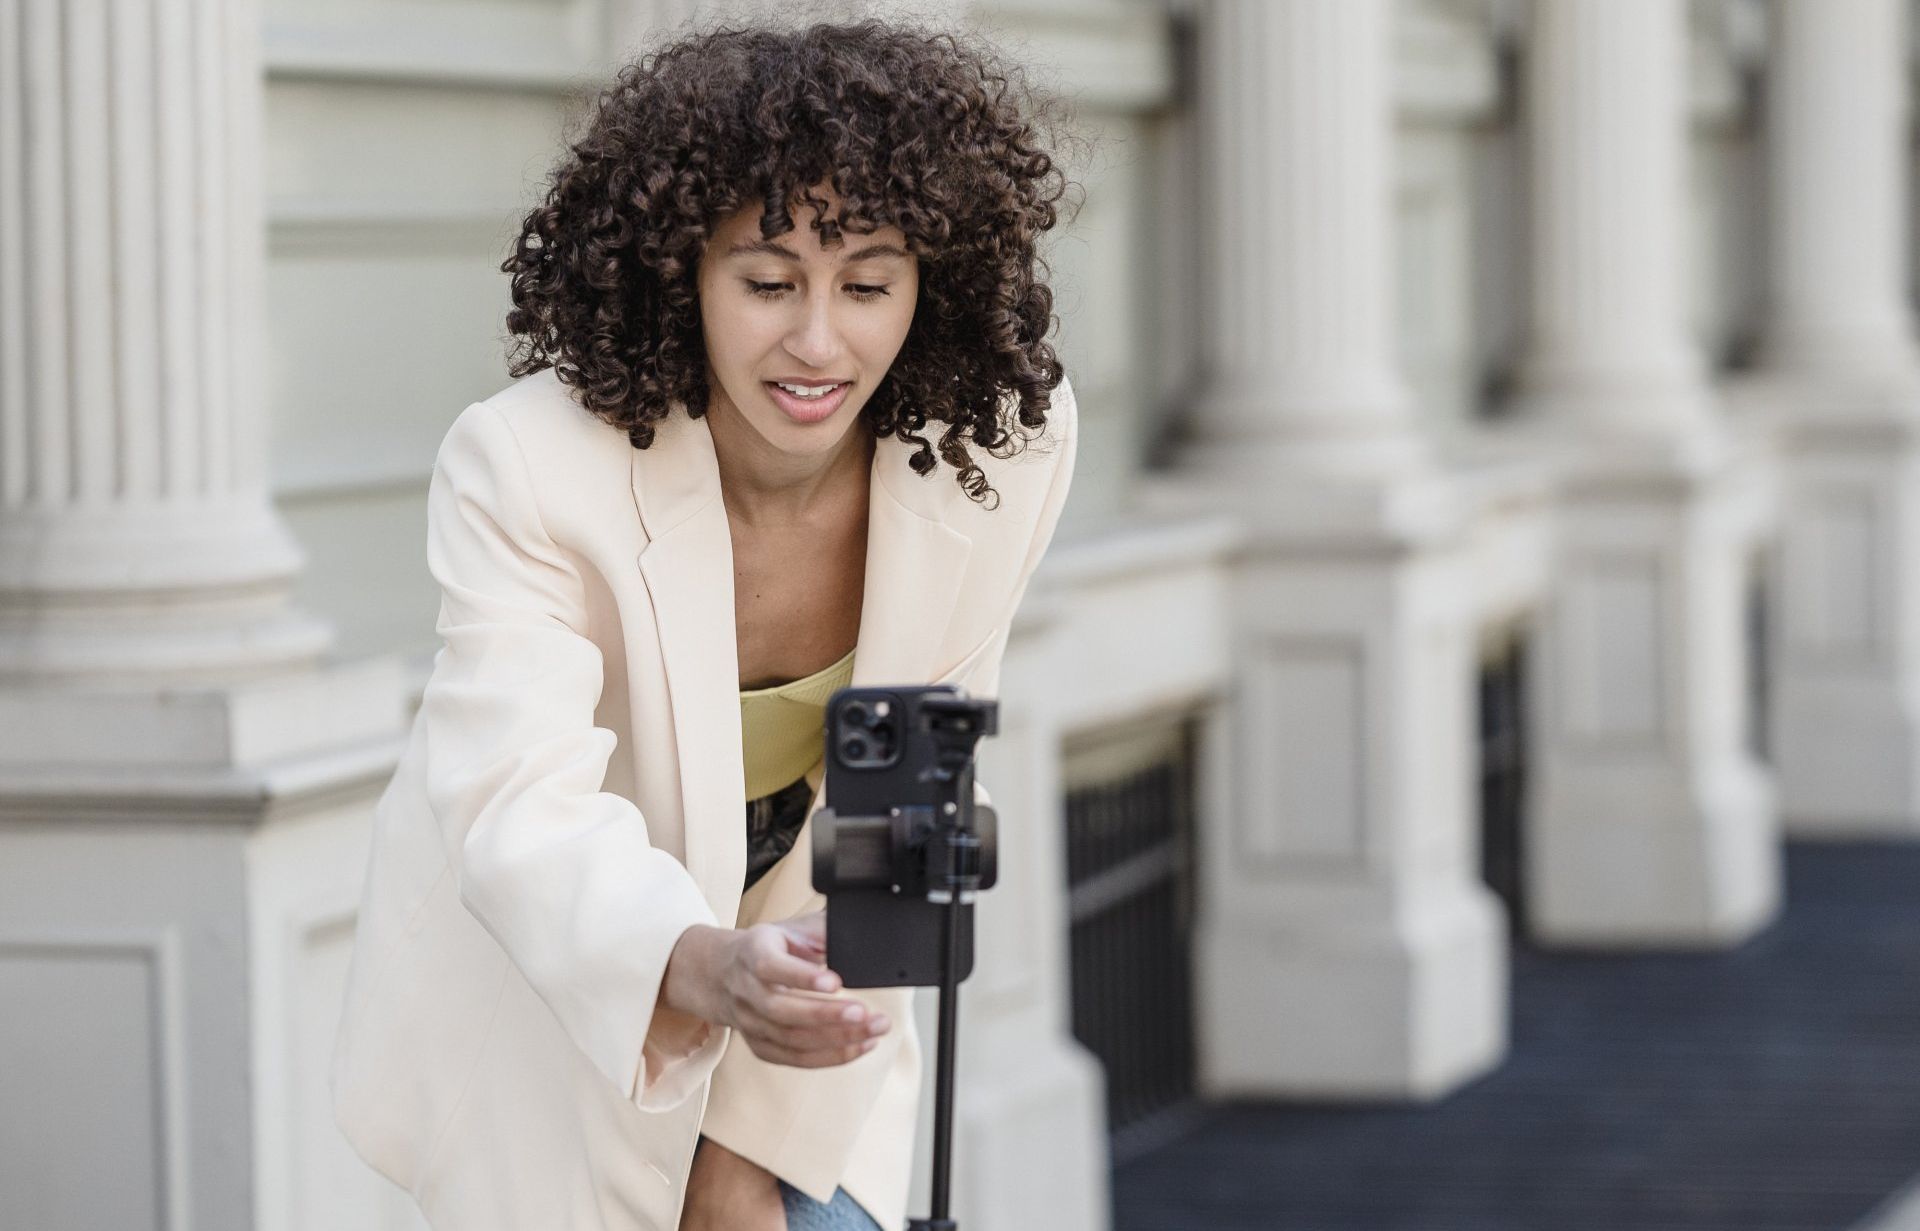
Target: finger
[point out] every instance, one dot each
(808, 944)
(816, 1036)
(775, 1052)
(808, 930)
(778, 966)
(838, 1019)
(806, 1050)
(798, 1011)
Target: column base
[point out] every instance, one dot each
(1654, 868)
(141, 597)
(1348, 950)
(1388, 1008)
(1388, 451)
(1649, 820)
(1845, 688)
(179, 877)
(1848, 759)
(172, 740)
(142, 647)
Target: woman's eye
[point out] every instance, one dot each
(773, 290)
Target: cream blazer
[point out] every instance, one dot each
(572, 798)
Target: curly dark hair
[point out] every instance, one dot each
(915, 129)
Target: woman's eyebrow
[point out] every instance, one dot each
(773, 248)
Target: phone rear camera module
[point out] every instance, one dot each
(866, 734)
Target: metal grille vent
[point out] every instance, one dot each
(1130, 877)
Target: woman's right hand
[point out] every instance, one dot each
(770, 983)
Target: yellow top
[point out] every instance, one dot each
(782, 728)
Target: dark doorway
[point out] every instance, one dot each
(1503, 770)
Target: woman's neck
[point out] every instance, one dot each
(766, 487)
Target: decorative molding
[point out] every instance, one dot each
(68, 795)
(157, 953)
(1307, 740)
(550, 47)
(1833, 552)
(1106, 56)
(306, 926)
(304, 483)
(1614, 656)
(397, 230)
(1141, 545)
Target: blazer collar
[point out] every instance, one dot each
(915, 561)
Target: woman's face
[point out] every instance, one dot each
(788, 310)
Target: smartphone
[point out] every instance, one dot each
(880, 762)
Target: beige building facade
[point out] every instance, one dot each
(1410, 337)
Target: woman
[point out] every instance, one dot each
(586, 990)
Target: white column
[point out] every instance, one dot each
(1839, 158)
(1648, 820)
(137, 537)
(1295, 111)
(185, 782)
(1347, 948)
(1841, 372)
(1606, 129)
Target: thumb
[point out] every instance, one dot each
(807, 934)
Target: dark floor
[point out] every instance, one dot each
(1773, 1087)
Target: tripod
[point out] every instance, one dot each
(955, 870)
(909, 871)
(954, 852)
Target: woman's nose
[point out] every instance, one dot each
(815, 340)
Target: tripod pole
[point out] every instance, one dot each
(959, 845)
(957, 868)
(943, 1078)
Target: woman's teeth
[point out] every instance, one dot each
(809, 392)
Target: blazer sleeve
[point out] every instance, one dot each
(802, 1124)
(559, 871)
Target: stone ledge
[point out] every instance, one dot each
(150, 736)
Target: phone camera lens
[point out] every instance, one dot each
(855, 714)
(854, 748)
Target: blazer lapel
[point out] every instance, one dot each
(914, 565)
(915, 561)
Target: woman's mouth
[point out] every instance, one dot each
(803, 409)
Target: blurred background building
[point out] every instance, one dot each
(1497, 524)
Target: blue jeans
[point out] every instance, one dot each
(806, 1214)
